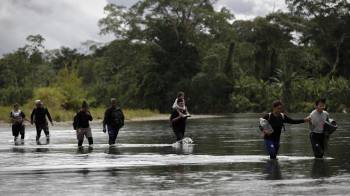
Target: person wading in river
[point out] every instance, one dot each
(38, 117)
(17, 119)
(277, 119)
(178, 119)
(113, 121)
(317, 136)
(82, 126)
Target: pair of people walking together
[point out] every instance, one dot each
(275, 123)
(113, 121)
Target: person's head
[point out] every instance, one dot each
(277, 106)
(320, 105)
(180, 102)
(38, 103)
(113, 102)
(16, 106)
(84, 106)
(180, 95)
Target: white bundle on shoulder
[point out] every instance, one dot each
(176, 106)
(265, 125)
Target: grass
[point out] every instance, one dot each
(61, 115)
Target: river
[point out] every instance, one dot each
(227, 158)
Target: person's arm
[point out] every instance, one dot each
(122, 118)
(106, 116)
(32, 116)
(24, 117)
(288, 120)
(11, 118)
(49, 116)
(90, 116)
(180, 115)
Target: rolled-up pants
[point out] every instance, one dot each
(81, 132)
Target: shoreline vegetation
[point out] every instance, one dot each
(131, 115)
(223, 65)
(61, 115)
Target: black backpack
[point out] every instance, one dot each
(283, 116)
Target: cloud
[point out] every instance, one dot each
(126, 3)
(71, 22)
(61, 23)
(249, 9)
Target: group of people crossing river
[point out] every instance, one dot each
(270, 125)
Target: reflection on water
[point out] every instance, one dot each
(112, 150)
(227, 158)
(320, 169)
(42, 150)
(82, 150)
(273, 170)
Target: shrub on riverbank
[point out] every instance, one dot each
(61, 115)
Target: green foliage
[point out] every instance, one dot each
(254, 95)
(335, 90)
(51, 96)
(163, 47)
(69, 84)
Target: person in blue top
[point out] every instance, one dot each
(277, 119)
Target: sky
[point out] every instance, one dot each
(72, 22)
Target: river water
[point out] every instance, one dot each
(227, 158)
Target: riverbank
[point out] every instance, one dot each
(132, 115)
(60, 115)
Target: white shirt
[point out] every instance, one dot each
(317, 121)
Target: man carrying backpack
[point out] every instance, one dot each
(113, 120)
(277, 119)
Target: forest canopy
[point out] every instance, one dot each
(222, 64)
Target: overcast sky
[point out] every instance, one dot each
(71, 22)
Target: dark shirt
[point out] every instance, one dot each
(38, 116)
(179, 124)
(82, 119)
(276, 123)
(114, 118)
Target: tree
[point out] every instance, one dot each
(174, 32)
(328, 27)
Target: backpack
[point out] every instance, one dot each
(330, 126)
